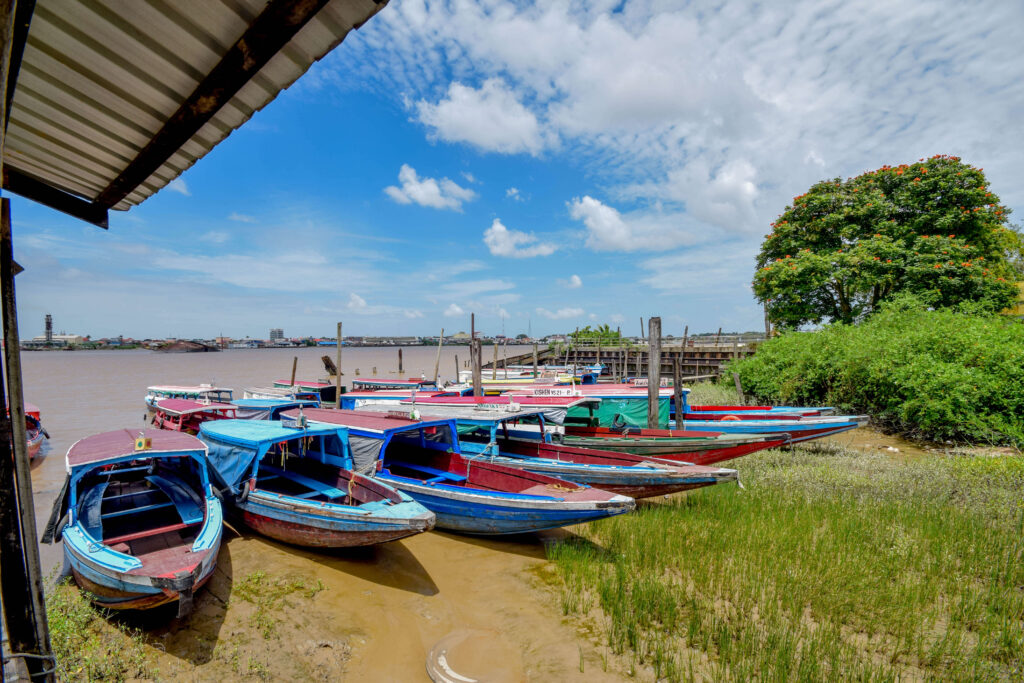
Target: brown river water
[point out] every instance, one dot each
(382, 609)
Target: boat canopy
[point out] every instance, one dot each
(370, 431)
(237, 446)
(183, 406)
(118, 445)
(269, 408)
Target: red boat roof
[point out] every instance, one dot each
(184, 406)
(360, 419)
(117, 444)
(559, 401)
(32, 409)
(303, 383)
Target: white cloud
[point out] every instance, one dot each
(574, 282)
(178, 185)
(437, 194)
(491, 118)
(513, 193)
(241, 217)
(412, 314)
(453, 311)
(592, 316)
(609, 230)
(215, 237)
(513, 243)
(356, 302)
(561, 313)
(617, 318)
(470, 178)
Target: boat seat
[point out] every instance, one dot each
(318, 487)
(181, 498)
(89, 506)
(439, 475)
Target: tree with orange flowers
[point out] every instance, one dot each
(932, 228)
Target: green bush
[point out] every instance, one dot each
(945, 374)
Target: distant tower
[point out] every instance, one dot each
(276, 334)
(49, 328)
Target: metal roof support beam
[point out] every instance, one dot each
(19, 34)
(265, 37)
(28, 187)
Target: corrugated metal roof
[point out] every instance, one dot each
(99, 78)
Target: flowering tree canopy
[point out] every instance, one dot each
(931, 228)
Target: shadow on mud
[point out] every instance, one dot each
(388, 564)
(192, 638)
(532, 545)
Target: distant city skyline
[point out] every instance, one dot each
(545, 166)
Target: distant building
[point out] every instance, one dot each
(54, 340)
(276, 334)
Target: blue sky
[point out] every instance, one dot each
(544, 166)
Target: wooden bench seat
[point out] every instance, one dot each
(317, 487)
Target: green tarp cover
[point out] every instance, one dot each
(633, 411)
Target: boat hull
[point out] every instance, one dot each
(474, 512)
(681, 451)
(288, 523)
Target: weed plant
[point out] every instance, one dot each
(939, 375)
(829, 565)
(89, 647)
(269, 595)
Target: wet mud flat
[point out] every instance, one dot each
(276, 612)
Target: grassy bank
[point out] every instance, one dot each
(831, 564)
(937, 375)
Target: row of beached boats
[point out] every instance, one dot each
(141, 511)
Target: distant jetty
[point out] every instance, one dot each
(183, 346)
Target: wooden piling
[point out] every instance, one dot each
(456, 380)
(677, 390)
(400, 362)
(494, 365)
(337, 382)
(534, 359)
(653, 370)
(437, 359)
(295, 366)
(475, 360)
(739, 388)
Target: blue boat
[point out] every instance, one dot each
(269, 408)
(516, 436)
(297, 485)
(422, 457)
(803, 429)
(143, 526)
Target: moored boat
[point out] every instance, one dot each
(297, 485)
(498, 436)
(325, 392)
(143, 524)
(34, 430)
(184, 415)
(423, 458)
(199, 392)
(269, 408)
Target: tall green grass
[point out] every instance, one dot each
(937, 375)
(830, 565)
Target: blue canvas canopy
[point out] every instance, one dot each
(237, 446)
(269, 408)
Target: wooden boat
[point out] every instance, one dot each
(296, 485)
(143, 524)
(370, 383)
(325, 392)
(34, 430)
(423, 458)
(497, 436)
(200, 392)
(804, 429)
(269, 408)
(184, 415)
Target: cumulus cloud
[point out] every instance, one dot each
(241, 217)
(491, 118)
(356, 302)
(178, 185)
(437, 194)
(560, 314)
(610, 230)
(216, 237)
(574, 282)
(412, 314)
(515, 244)
(454, 310)
(513, 193)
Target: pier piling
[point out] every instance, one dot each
(653, 371)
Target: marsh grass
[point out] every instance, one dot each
(269, 595)
(831, 564)
(88, 646)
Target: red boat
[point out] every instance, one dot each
(185, 415)
(645, 441)
(34, 431)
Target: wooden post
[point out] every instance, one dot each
(337, 403)
(639, 359)
(598, 362)
(504, 357)
(400, 371)
(653, 370)
(534, 359)
(767, 323)
(456, 380)
(641, 328)
(677, 391)
(717, 337)
(494, 366)
(21, 580)
(437, 359)
(686, 335)
(295, 366)
(625, 362)
(739, 387)
(475, 354)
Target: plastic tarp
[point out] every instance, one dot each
(632, 411)
(232, 464)
(253, 413)
(365, 451)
